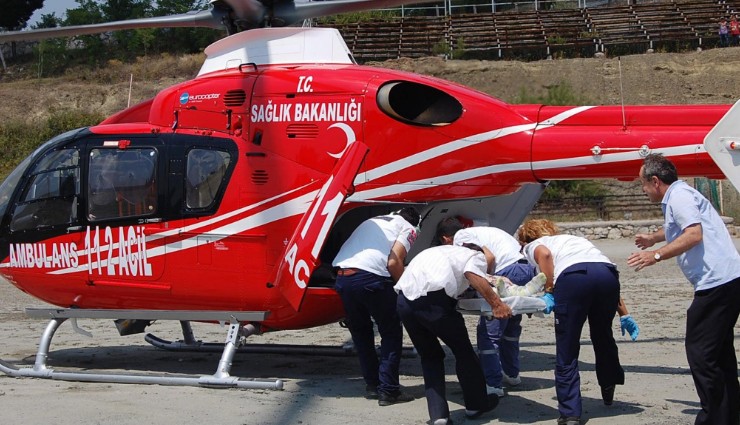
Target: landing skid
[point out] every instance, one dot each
(240, 327)
(189, 343)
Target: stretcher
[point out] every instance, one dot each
(518, 304)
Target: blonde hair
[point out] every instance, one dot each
(536, 228)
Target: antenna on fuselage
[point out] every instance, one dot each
(130, 87)
(621, 92)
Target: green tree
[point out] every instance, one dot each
(129, 42)
(51, 54)
(182, 40)
(48, 20)
(16, 13)
(90, 47)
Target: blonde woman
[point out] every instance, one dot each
(582, 283)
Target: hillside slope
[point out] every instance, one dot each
(711, 76)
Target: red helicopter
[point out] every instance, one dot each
(225, 198)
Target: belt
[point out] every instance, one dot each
(346, 272)
(523, 261)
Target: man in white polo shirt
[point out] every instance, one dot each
(428, 293)
(498, 340)
(369, 263)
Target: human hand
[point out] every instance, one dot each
(502, 311)
(643, 240)
(629, 325)
(640, 260)
(549, 300)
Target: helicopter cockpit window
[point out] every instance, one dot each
(122, 183)
(49, 196)
(205, 175)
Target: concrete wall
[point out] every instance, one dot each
(624, 229)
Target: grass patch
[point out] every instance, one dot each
(18, 138)
(560, 94)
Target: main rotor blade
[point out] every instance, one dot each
(204, 18)
(290, 13)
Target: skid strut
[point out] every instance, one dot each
(239, 328)
(189, 343)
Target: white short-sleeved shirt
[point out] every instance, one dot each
(503, 246)
(369, 245)
(441, 267)
(566, 251)
(715, 260)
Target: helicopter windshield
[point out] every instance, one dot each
(10, 183)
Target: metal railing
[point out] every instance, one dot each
(448, 7)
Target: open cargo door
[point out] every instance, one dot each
(302, 255)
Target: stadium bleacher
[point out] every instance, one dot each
(539, 34)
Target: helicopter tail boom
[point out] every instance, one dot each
(611, 141)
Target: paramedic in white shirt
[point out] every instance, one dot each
(585, 285)
(427, 296)
(370, 262)
(498, 340)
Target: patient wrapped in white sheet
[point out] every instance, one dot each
(521, 299)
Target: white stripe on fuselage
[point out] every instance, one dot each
(437, 151)
(301, 204)
(288, 208)
(434, 181)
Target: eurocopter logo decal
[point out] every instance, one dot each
(185, 97)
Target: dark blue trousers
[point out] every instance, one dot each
(434, 316)
(710, 350)
(498, 339)
(367, 295)
(585, 291)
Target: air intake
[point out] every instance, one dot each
(302, 131)
(260, 177)
(418, 104)
(235, 98)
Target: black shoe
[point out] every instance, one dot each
(492, 403)
(389, 399)
(371, 392)
(569, 420)
(607, 394)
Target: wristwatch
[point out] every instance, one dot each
(656, 256)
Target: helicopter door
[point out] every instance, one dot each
(723, 145)
(45, 224)
(302, 255)
(49, 198)
(122, 210)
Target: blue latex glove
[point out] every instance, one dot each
(549, 300)
(629, 325)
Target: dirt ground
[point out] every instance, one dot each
(328, 390)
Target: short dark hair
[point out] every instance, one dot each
(448, 227)
(655, 164)
(411, 215)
